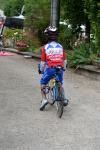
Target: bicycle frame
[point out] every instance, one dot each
(54, 85)
(58, 95)
(54, 92)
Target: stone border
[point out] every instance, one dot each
(90, 71)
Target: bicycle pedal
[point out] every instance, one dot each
(51, 103)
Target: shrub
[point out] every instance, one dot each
(85, 54)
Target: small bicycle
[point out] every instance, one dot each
(54, 92)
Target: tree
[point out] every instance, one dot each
(37, 16)
(74, 12)
(2, 4)
(83, 12)
(92, 8)
(13, 7)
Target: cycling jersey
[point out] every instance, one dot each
(53, 54)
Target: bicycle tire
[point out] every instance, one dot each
(59, 101)
(60, 108)
(50, 97)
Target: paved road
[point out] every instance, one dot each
(24, 127)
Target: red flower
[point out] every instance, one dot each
(21, 44)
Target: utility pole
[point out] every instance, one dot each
(55, 13)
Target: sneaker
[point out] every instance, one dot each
(66, 102)
(43, 104)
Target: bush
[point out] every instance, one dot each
(84, 54)
(65, 36)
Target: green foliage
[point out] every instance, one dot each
(38, 16)
(17, 39)
(83, 12)
(13, 7)
(9, 33)
(84, 54)
(78, 12)
(2, 3)
(74, 12)
(65, 36)
(34, 47)
(92, 9)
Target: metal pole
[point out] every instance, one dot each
(55, 12)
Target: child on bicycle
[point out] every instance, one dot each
(52, 55)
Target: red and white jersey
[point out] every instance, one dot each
(54, 54)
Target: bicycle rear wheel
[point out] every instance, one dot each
(60, 107)
(59, 102)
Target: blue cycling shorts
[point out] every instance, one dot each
(49, 73)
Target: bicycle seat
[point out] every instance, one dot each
(58, 68)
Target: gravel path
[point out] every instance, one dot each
(24, 127)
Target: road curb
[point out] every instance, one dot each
(23, 53)
(90, 71)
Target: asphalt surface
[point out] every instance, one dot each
(24, 127)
